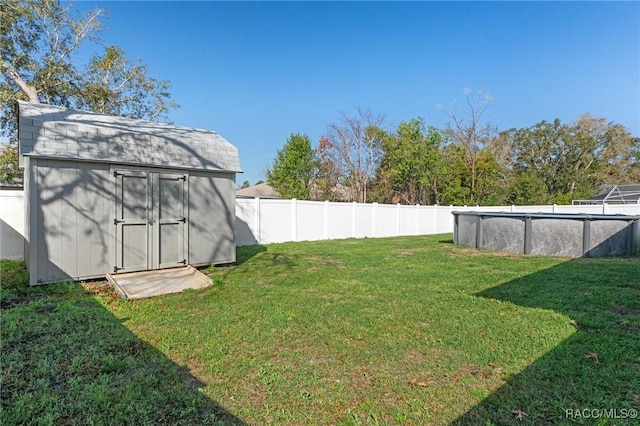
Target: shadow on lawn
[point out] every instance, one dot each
(598, 367)
(68, 360)
(245, 253)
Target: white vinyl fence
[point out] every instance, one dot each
(11, 224)
(264, 221)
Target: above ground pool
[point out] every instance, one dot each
(550, 234)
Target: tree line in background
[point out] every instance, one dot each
(467, 163)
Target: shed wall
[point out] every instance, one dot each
(71, 204)
(211, 218)
(70, 231)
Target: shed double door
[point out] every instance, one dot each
(150, 222)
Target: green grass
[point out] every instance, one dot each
(407, 330)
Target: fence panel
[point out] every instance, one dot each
(247, 215)
(363, 220)
(409, 218)
(310, 221)
(11, 224)
(276, 221)
(340, 220)
(386, 220)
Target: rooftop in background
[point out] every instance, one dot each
(54, 132)
(618, 194)
(262, 190)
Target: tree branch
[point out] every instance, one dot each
(30, 91)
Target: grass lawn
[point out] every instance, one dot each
(410, 330)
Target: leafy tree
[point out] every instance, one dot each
(556, 162)
(527, 188)
(326, 182)
(9, 163)
(354, 147)
(111, 84)
(616, 154)
(293, 168)
(454, 188)
(491, 180)
(411, 168)
(39, 42)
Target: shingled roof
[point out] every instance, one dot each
(48, 131)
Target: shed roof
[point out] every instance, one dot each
(55, 132)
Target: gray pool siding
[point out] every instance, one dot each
(565, 235)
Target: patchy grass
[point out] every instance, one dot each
(406, 330)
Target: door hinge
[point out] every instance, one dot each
(117, 221)
(183, 220)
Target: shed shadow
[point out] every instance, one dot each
(597, 367)
(68, 360)
(245, 253)
(11, 242)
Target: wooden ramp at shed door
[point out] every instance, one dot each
(140, 285)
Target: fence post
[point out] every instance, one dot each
(605, 208)
(256, 220)
(353, 219)
(554, 208)
(435, 219)
(294, 219)
(374, 207)
(417, 219)
(398, 221)
(326, 219)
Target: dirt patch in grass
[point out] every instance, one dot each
(471, 252)
(409, 251)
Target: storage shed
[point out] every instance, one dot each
(107, 194)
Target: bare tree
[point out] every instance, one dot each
(355, 147)
(468, 130)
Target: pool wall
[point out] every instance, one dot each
(549, 234)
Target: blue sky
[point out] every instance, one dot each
(257, 72)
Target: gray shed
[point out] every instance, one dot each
(107, 194)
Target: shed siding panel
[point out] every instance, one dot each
(83, 220)
(211, 218)
(49, 222)
(69, 209)
(101, 208)
(72, 210)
